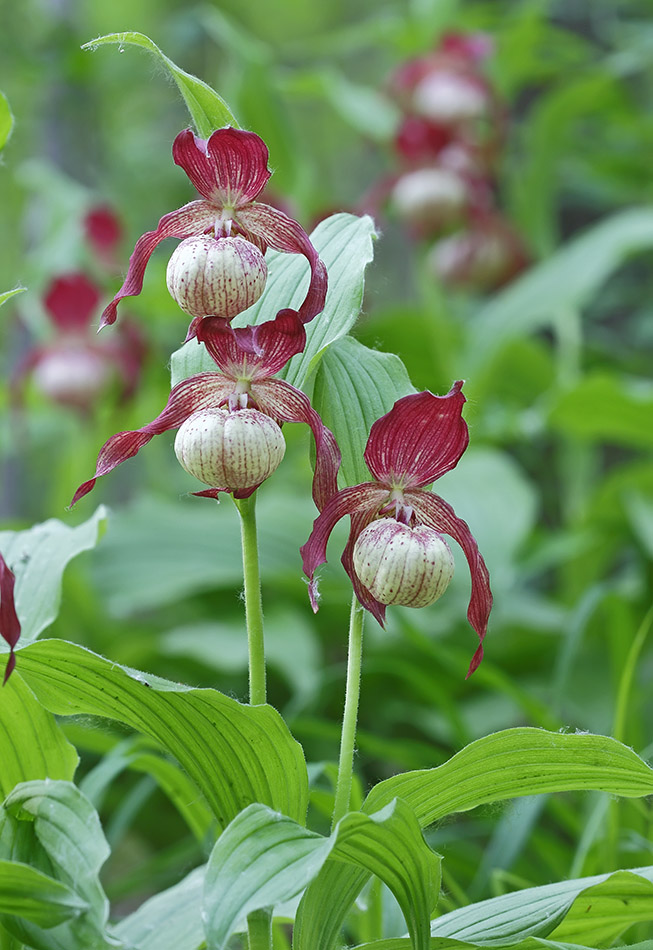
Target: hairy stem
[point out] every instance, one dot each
(259, 930)
(253, 604)
(350, 715)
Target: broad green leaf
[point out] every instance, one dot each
(608, 409)
(207, 109)
(51, 826)
(591, 909)
(235, 754)
(26, 892)
(344, 242)
(504, 765)
(32, 745)
(137, 567)
(567, 279)
(354, 386)
(531, 943)
(517, 762)
(38, 557)
(137, 753)
(171, 920)
(6, 124)
(11, 293)
(263, 859)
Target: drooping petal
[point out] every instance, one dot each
(368, 496)
(422, 437)
(283, 234)
(230, 168)
(206, 390)
(433, 511)
(288, 404)
(9, 623)
(359, 521)
(194, 218)
(258, 351)
(71, 302)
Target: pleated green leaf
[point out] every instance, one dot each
(170, 920)
(32, 745)
(531, 943)
(235, 754)
(264, 858)
(517, 762)
(26, 892)
(354, 387)
(38, 558)
(52, 827)
(590, 910)
(345, 244)
(207, 109)
(504, 765)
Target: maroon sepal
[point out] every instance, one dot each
(71, 302)
(9, 623)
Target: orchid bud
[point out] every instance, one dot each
(400, 564)
(450, 97)
(429, 197)
(234, 450)
(72, 374)
(221, 276)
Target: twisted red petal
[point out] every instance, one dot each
(433, 511)
(206, 390)
(359, 521)
(71, 302)
(287, 404)
(230, 168)
(366, 497)
(194, 218)
(9, 623)
(260, 350)
(422, 437)
(283, 234)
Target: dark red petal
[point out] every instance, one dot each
(103, 229)
(71, 301)
(265, 348)
(359, 521)
(288, 404)
(230, 168)
(283, 234)
(194, 218)
(433, 511)
(197, 392)
(9, 623)
(346, 502)
(422, 437)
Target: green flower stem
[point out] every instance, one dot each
(350, 715)
(259, 930)
(253, 603)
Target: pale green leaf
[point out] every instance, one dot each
(38, 557)
(171, 920)
(235, 754)
(354, 387)
(51, 826)
(263, 859)
(207, 109)
(344, 242)
(32, 745)
(6, 125)
(26, 892)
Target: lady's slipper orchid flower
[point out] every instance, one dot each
(247, 359)
(9, 623)
(74, 369)
(422, 437)
(229, 170)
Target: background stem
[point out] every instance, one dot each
(253, 603)
(350, 715)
